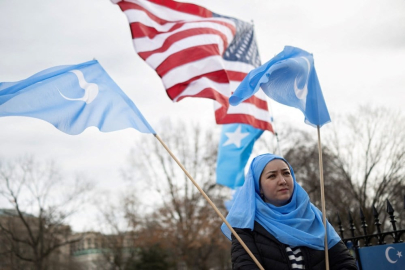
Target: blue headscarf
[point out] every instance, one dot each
(298, 223)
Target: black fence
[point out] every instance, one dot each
(366, 239)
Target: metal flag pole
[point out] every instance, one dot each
(323, 197)
(212, 204)
(278, 144)
(274, 128)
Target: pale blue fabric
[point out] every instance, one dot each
(232, 158)
(298, 223)
(289, 78)
(73, 98)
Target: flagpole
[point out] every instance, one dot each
(212, 204)
(274, 127)
(278, 144)
(323, 197)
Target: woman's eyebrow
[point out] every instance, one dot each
(284, 169)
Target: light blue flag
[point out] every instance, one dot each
(234, 150)
(289, 78)
(73, 98)
(387, 257)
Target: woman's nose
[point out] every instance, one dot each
(282, 181)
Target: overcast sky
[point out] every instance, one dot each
(358, 48)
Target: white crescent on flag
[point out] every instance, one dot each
(302, 93)
(388, 256)
(90, 89)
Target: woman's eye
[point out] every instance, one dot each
(287, 173)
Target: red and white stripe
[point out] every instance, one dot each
(185, 44)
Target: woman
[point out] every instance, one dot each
(274, 217)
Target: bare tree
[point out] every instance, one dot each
(369, 146)
(35, 227)
(119, 223)
(183, 221)
(127, 240)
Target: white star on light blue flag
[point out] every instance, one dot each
(235, 147)
(235, 137)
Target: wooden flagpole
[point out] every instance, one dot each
(323, 197)
(212, 204)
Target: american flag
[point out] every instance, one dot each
(198, 53)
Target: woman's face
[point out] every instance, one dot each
(277, 184)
